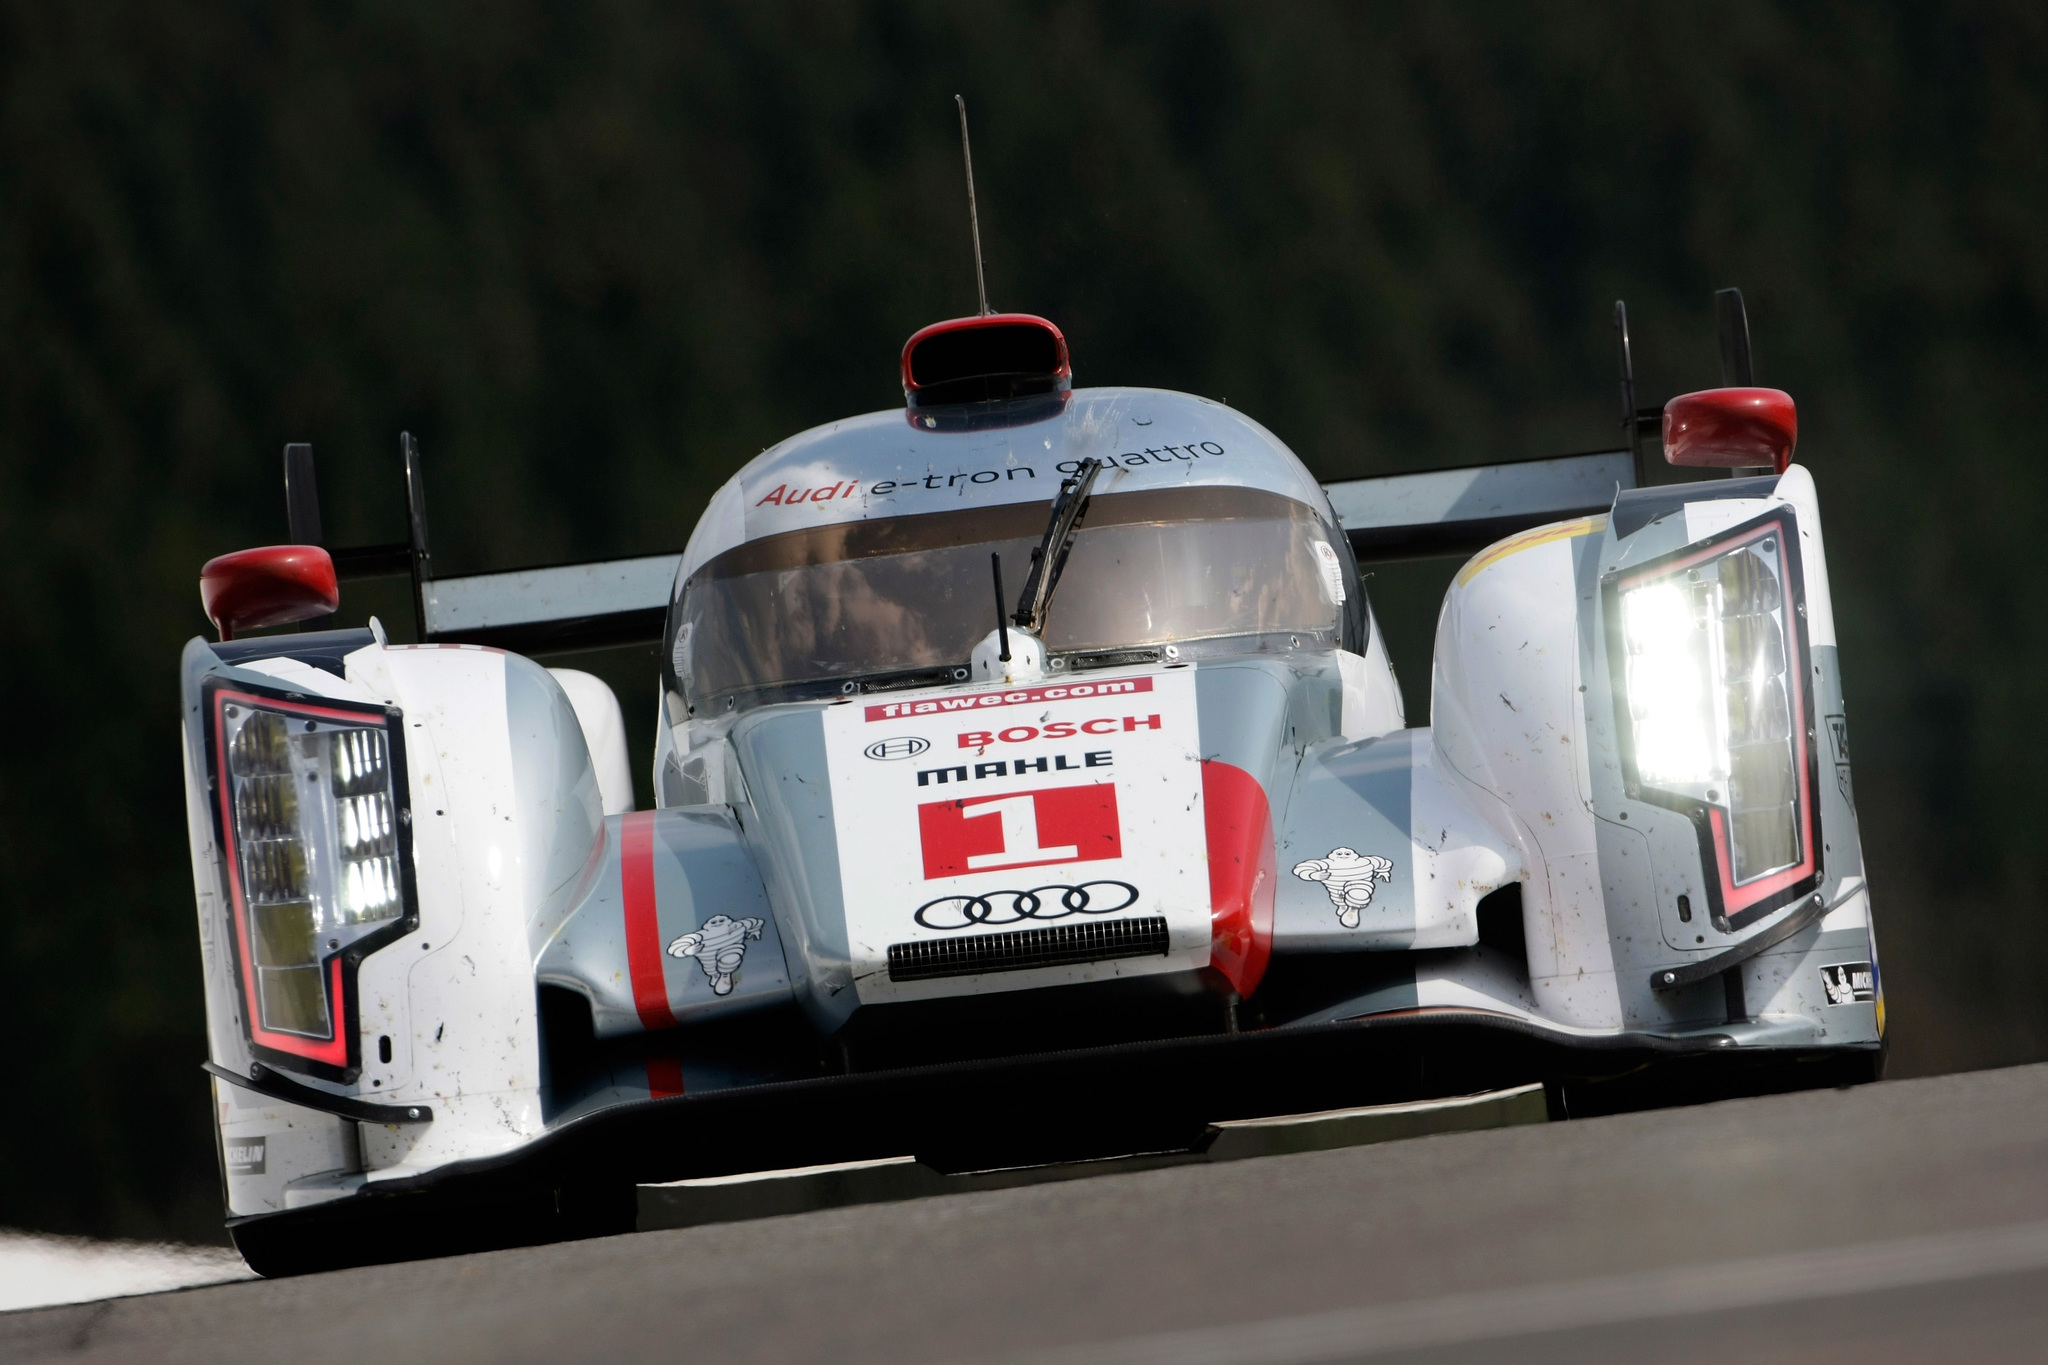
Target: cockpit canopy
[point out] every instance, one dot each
(855, 556)
(902, 600)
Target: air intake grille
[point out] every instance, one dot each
(1058, 946)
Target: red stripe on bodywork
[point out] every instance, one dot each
(664, 1076)
(1243, 874)
(643, 921)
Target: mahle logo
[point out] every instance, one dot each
(889, 750)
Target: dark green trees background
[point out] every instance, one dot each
(598, 254)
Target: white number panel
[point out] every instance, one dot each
(1017, 808)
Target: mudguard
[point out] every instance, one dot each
(1623, 900)
(676, 927)
(1384, 854)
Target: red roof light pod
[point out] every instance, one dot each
(272, 586)
(985, 359)
(1731, 429)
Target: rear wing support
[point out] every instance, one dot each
(408, 558)
(1425, 515)
(1461, 511)
(549, 610)
(557, 608)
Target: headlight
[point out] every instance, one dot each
(311, 803)
(1713, 708)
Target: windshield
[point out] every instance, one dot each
(910, 594)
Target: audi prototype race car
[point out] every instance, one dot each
(1031, 784)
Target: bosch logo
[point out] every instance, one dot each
(889, 750)
(1040, 902)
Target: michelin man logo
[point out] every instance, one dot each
(720, 946)
(1348, 877)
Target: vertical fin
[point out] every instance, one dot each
(301, 495)
(1738, 366)
(1626, 356)
(1738, 369)
(302, 510)
(422, 563)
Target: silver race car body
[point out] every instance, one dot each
(929, 874)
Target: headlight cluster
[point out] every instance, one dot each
(314, 818)
(1714, 707)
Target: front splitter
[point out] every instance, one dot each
(1074, 1106)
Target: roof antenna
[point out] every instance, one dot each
(995, 562)
(973, 215)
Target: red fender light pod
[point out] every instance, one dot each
(273, 586)
(1731, 428)
(984, 359)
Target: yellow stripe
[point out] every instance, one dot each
(1529, 540)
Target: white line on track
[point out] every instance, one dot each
(1458, 1319)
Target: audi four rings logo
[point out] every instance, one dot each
(1014, 907)
(906, 746)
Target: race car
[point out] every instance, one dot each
(1031, 784)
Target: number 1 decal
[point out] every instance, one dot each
(1023, 829)
(1020, 834)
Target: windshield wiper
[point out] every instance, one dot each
(1051, 555)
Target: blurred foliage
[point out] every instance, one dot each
(598, 254)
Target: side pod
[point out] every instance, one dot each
(1650, 704)
(676, 927)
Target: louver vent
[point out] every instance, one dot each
(1058, 946)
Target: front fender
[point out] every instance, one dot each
(1380, 853)
(676, 926)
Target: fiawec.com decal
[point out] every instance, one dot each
(1348, 876)
(1848, 983)
(1022, 696)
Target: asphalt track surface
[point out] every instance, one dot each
(1899, 1222)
